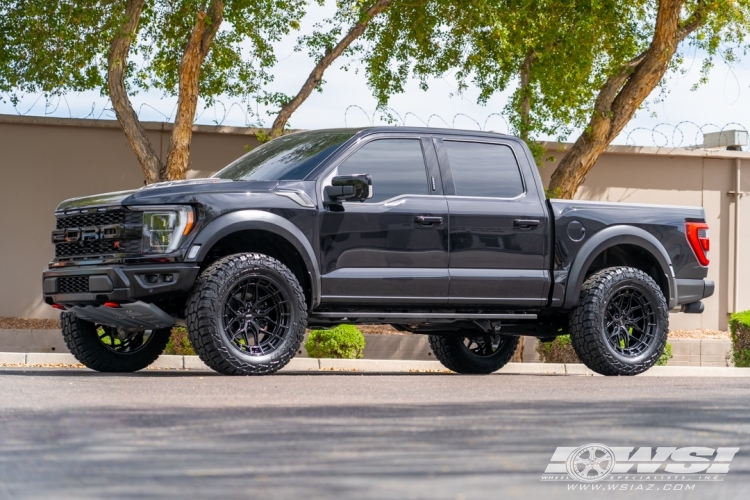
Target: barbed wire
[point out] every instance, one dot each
(685, 134)
(677, 133)
(222, 111)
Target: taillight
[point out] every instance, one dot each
(697, 236)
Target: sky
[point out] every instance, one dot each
(722, 103)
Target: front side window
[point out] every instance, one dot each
(488, 170)
(397, 167)
(289, 158)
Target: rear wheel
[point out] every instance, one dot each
(108, 349)
(477, 354)
(621, 323)
(246, 315)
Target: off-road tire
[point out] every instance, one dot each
(587, 322)
(450, 350)
(205, 324)
(83, 342)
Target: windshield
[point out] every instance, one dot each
(289, 158)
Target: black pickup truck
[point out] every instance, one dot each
(440, 232)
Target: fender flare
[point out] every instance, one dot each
(244, 220)
(609, 237)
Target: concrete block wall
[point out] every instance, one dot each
(392, 347)
(700, 352)
(685, 352)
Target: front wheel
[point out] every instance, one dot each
(621, 323)
(109, 349)
(474, 354)
(246, 315)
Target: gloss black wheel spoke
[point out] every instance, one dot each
(483, 345)
(628, 322)
(255, 316)
(122, 342)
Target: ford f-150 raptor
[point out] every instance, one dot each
(440, 232)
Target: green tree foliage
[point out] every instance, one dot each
(333, 38)
(59, 47)
(241, 53)
(584, 64)
(55, 47)
(489, 43)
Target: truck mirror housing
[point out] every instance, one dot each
(356, 187)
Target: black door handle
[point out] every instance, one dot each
(427, 220)
(526, 223)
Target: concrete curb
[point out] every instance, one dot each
(686, 352)
(166, 362)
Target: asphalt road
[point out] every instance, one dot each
(78, 434)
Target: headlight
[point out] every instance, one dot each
(164, 228)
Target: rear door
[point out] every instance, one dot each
(393, 248)
(498, 225)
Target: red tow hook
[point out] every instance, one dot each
(58, 306)
(113, 305)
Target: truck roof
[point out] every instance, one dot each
(415, 130)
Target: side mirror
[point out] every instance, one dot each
(357, 187)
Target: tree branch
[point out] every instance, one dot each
(525, 74)
(621, 96)
(317, 73)
(694, 22)
(204, 31)
(117, 61)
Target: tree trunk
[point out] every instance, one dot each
(621, 96)
(525, 74)
(317, 73)
(117, 61)
(201, 39)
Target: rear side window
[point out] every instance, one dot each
(480, 169)
(396, 165)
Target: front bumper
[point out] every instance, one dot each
(90, 285)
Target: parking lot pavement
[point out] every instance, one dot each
(79, 434)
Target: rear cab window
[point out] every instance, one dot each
(483, 169)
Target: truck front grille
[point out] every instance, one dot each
(96, 218)
(97, 248)
(97, 233)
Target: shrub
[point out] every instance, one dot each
(559, 350)
(665, 356)
(343, 342)
(739, 324)
(179, 343)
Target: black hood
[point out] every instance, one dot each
(163, 193)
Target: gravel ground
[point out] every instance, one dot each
(29, 324)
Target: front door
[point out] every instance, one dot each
(393, 248)
(498, 227)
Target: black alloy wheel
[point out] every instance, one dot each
(630, 322)
(621, 322)
(256, 315)
(477, 354)
(246, 315)
(122, 341)
(109, 349)
(485, 345)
